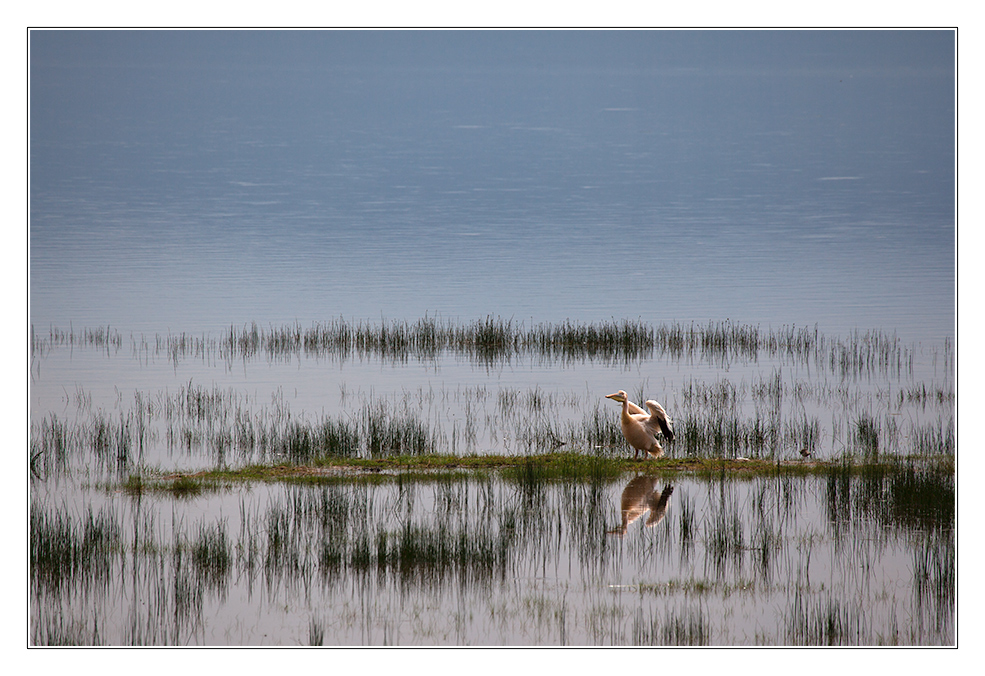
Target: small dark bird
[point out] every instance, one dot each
(804, 453)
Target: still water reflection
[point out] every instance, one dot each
(641, 496)
(488, 560)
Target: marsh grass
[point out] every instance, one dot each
(935, 581)
(725, 540)
(66, 551)
(866, 436)
(934, 438)
(676, 627)
(535, 471)
(51, 446)
(178, 486)
(827, 621)
(686, 628)
(427, 554)
(305, 443)
(185, 487)
(225, 427)
(906, 495)
(494, 340)
(59, 630)
(316, 633)
(772, 416)
(323, 533)
(113, 443)
(212, 554)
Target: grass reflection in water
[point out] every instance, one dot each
(504, 558)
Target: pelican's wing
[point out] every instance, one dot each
(658, 505)
(658, 420)
(636, 410)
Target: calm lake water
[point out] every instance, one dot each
(197, 199)
(193, 181)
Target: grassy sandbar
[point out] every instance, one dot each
(548, 466)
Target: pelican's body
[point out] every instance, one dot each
(641, 428)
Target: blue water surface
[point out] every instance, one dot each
(189, 181)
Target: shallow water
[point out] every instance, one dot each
(489, 561)
(842, 557)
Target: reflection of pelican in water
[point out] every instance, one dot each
(639, 496)
(641, 428)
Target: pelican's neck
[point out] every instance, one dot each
(625, 409)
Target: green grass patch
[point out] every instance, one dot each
(179, 485)
(570, 466)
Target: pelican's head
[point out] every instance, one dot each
(619, 396)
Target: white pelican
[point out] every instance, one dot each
(641, 428)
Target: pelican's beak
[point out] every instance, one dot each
(617, 397)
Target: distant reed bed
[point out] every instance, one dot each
(495, 340)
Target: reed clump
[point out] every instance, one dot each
(212, 554)
(827, 621)
(65, 551)
(687, 628)
(918, 497)
(934, 568)
(866, 435)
